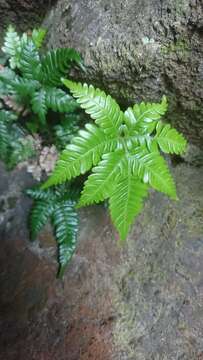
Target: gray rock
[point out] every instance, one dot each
(161, 277)
(139, 301)
(139, 50)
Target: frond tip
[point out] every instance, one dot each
(101, 107)
(169, 140)
(65, 221)
(126, 202)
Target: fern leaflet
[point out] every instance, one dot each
(39, 216)
(58, 100)
(12, 47)
(56, 64)
(39, 105)
(38, 36)
(30, 61)
(84, 152)
(126, 202)
(169, 140)
(65, 221)
(103, 109)
(99, 185)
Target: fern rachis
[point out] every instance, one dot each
(125, 158)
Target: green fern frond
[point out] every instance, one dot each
(153, 170)
(12, 46)
(101, 182)
(39, 194)
(22, 89)
(39, 105)
(102, 108)
(4, 135)
(58, 100)
(6, 74)
(65, 221)
(143, 117)
(169, 139)
(56, 63)
(21, 148)
(30, 65)
(66, 130)
(40, 214)
(57, 205)
(126, 202)
(84, 152)
(38, 36)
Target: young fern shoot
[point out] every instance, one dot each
(123, 151)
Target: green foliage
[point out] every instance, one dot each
(58, 206)
(66, 130)
(36, 81)
(59, 101)
(39, 105)
(12, 46)
(30, 87)
(56, 64)
(15, 145)
(123, 148)
(126, 202)
(38, 36)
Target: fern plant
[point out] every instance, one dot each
(123, 151)
(33, 79)
(58, 206)
(15, 143)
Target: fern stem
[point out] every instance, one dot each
(61, 271)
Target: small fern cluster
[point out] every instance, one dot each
(123, 150)
(34, 79)
(32, 100)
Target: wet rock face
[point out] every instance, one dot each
(142, 300)
(139, 50)
(160, 286)
(42, 317)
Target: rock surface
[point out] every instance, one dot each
(24, 14)
(140, 301)
(139, 50)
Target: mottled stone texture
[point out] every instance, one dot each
(160, 290)
(42, 318)
(139, 50)
(139, 301)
